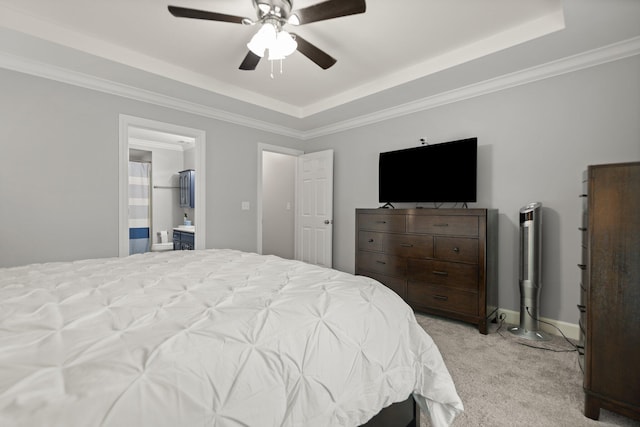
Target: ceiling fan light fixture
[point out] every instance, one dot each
(263, 39)
(294, 20)
(264, 7)
(284, 46)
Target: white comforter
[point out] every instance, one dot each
(216, 338)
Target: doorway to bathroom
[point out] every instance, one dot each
(163, 150)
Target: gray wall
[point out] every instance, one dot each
(534, 142)
(59, 167)
(59, 171)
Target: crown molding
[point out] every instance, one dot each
(64, 75)
(506, 39)
(602, 55)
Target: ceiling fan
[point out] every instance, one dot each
(273, 15)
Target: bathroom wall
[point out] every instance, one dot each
(165, 212)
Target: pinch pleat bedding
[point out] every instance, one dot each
(209, 338)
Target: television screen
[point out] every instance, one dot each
(443, 172)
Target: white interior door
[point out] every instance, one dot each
(314, 225)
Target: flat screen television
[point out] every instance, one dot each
(443, 172)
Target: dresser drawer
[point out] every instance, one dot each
(450, 274)
(442, 298)
(382, 222)
(396, 284)
(408, 245)
(381, 263)
(458, 249)
(370, 241)
(448, 225)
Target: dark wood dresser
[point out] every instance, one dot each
(440, 261)
(610, 289)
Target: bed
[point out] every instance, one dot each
(210, 338)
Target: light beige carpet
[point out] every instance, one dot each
(504, 383)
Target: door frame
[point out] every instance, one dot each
(127, 122)
(281, 150)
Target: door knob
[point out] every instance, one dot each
(326, 221)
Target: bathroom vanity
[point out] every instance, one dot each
(184, 238)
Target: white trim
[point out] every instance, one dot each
(142, 144)
(63, 75)
(527, 31)
(566, 65)
(602, 55)
(273, 149)
(125, 123)
(570, 330)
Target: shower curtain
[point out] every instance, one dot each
(139, 207)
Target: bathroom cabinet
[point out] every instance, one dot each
(187, 188)
(183, 240)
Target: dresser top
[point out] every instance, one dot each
(426, 211)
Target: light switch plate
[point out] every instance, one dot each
(245, 206)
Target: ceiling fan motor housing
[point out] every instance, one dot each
(277, 8)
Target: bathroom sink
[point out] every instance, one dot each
(191, 228)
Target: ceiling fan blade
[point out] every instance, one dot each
(321, 58)
(330, 9)
(250, 62)
(183, 12)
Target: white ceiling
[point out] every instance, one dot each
(392, 54)
(391, 43)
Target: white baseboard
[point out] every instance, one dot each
(570, 330)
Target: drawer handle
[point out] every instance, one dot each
(582, 266)
(582, 308)
(381, 262)
(441, 297)
(440, 273)
(441, 225)
(370, 240)
(456, 250)
(406, 245)
(381, 222)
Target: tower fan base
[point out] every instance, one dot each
(529, 335)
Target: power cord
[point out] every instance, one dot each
(574, 346)
(503, 316)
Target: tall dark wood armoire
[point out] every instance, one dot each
(610, 289)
